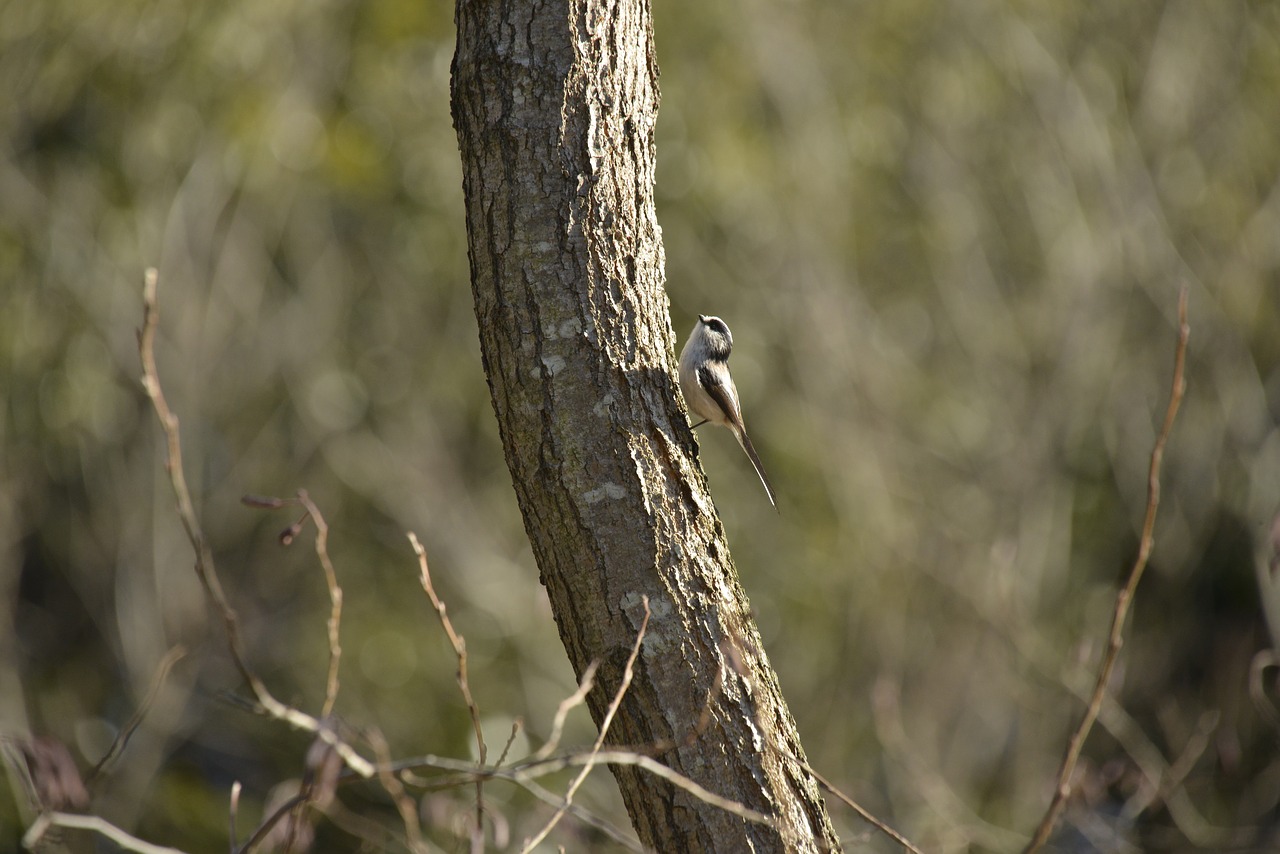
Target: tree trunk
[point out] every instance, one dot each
(555, 105)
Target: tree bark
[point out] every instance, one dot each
(555, 105)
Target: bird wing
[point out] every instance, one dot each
(724, 394)
(726, 397)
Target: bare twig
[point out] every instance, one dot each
(287, 536)
(656, 768)
(232, 833)
(953, 810)
(335, 599)
(459, 645)
(204, 566)
(860, 810)
(1124, 599)
(270, 822)
(1029, 648)
(405, 805)
(567, 705)
(1146, 797)
(578, 812)
(92, 823)
(511, 739)
(732, 649)
(121, 741)
(317, 792)
(462, 773)
(523, 772)
(627, 672)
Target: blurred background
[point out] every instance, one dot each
(949, 240)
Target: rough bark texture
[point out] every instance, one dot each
(555, 105)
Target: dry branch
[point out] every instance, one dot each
(459, 645)
(625, 683)
(335, 601)
(204, 565)
(121, 741)
(1124, 599)
(92, 823)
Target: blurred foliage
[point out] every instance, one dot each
(948, 239)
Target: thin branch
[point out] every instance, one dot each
(1177, 771)
(627, 672)
(232, 833)
(121, 741)
(459, 645)
(296, 816)
(511, 739)
(269, 822)
(335, 599)
(656, 768)
(732, 649)
(374, 835)
(204, 566)
(860, 810)
(1029, 648)
(177, 478)
(462, 773)
(523, 772)
(575, 699)
(935, 790)
(1124, 599)
(405, 805)
(92, 823)
(580, 813)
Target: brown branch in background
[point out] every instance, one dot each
(121, 741)
(860, 810)
(584, 816)
(593, 758)
(934, 790)
(204, 565)
(464, 773)
(627, 672)
(335, 599)
(287, 536)
(232, 810)
(177, 478)
(511, 739)
(459, 645)
(288, 826)
(1124, 599)
(405, 805)
(269, 822)
(1029, 648)
(577, 698)
(1178, 770)
(31, 839)
(522, 773)
(732, 651)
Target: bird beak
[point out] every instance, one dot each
(702, 318)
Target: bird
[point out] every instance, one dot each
(708, 386)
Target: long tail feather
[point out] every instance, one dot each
(745, 441)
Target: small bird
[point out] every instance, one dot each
(708, 388)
